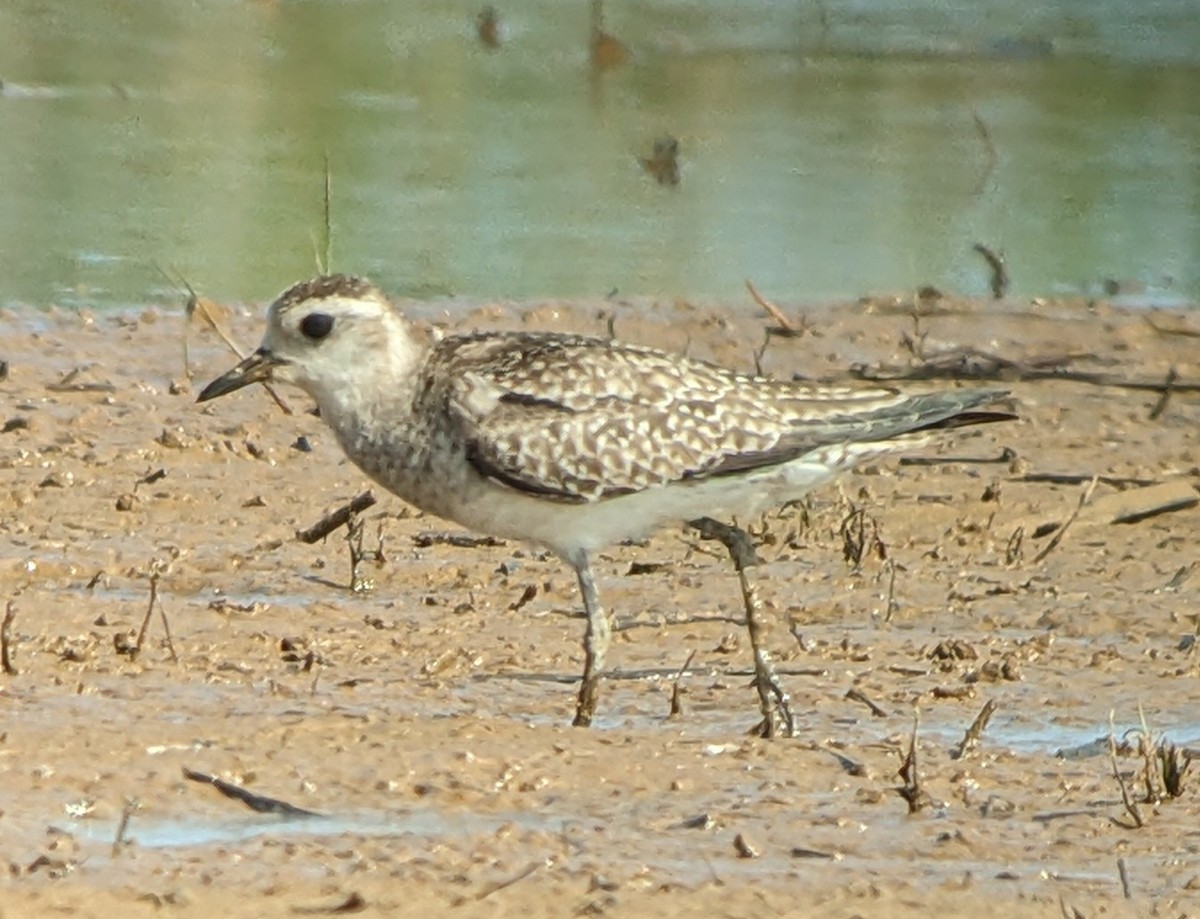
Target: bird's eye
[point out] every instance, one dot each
(316, 325)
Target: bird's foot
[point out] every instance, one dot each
(777, 719)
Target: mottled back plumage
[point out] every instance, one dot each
(582, 419)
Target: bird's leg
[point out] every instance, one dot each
(773, 701)
(595, 641)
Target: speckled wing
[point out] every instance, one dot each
(578, 419)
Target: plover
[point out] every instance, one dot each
(570, 442)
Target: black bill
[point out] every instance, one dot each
(254, 369)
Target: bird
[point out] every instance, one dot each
(571, 442)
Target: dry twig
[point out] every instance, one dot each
(676, 692)
(258, 803)
(131, 804)
(1123, 871)
(521, 875)
(785, 327)
(971, 738)
(1071, 478)
(855, 695)
(911, 791)
(146, 619)
(1006, 455)
(353, 902)
(10, 613)
(743, 847)
(1084, 498)
(211, 314)
(1131, 807)
(892, 605)
(1173, 766)
(860, 535)
(1168, 387)
(975, 364)
(338, 518)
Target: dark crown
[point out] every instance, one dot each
(324, 286)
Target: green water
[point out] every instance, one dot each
(819, 160)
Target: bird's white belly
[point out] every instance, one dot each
(567, 528)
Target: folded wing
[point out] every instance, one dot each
(578, 419)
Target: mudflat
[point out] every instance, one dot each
(425, 721)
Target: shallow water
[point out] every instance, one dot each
(199, 831)
(820, 159)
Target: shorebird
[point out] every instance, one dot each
(570, 442)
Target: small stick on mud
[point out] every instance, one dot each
(67, 383)
(1168, 387)
(521, 875)
(150, 478)
(458, 540)
(850, 766)
(1130, 807)
(1014, 548)
(1174, 767)
(915, 343)
(339, 518)
(527, 596)
(999, 282)
(858, 539)
(1123, 871)
(911, 791)
(137, 648)
(10, 613)
(197, 308)
(1007, 455)
(892, 605)
(676, 695)
(1147, 745)
(743, 847)
(162, 612)
(1084, 498)
(977, 365)
(971, 738)
(131, 804)
(354, 902)
(760, 352)
(1079, 478)
(786, 327)
(258, 803)
(380, 555)
(855, 695)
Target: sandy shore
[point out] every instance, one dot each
(426, 720)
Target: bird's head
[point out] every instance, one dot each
(329, 336)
